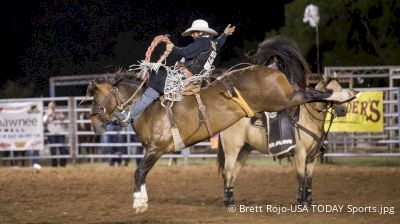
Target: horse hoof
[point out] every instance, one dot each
(229, 203)
(303, 203)
(140, 210)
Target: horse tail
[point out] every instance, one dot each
(286, 54)
(220, 156)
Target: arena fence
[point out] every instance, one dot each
(384, 143)
(83, 144)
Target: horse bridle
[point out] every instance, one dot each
(101, 110)
(332, 112)
(330, 106)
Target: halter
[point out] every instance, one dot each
(333, 114)
(330, 106)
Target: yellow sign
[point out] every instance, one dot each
(364, 114)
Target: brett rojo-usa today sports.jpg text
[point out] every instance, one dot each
(279, 209)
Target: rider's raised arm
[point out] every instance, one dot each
(193, 49)
(229, 30)
(220, 41)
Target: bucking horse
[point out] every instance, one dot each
(234, 95)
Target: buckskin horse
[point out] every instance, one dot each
(237, 142)
(258, 87)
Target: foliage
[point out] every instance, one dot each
(16, 89)
(352, 33)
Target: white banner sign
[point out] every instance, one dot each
(21, 126)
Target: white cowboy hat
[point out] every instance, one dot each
(199, 25)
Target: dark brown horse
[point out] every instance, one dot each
(264, 89)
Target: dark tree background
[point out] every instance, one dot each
(351, 32)
(52, 38)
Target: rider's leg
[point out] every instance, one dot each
(154, 90)
(144, 101)
(140, 105)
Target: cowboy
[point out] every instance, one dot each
(195, 57)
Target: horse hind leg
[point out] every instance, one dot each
(302, 97)
(240, 162)
(311, 95)
(230, 161)
(230, 143)
(228, 173)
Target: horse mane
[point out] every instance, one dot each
(286, 54)
(118, 77)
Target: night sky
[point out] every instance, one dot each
(251, 19)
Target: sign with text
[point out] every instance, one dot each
(364, 114)
(21, 126)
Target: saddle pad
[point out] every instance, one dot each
(281, 134)
(279, 131)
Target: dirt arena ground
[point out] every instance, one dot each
(193, 194)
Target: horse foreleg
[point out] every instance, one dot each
(140, 197)
(300, 162)
(308, 186)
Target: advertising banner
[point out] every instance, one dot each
(364, 114)
(21, 126)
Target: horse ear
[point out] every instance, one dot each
(89, 92)
(325, 78)
(86, 99)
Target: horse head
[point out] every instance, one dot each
(110, 96)
(330, 84)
